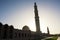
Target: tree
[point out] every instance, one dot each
(11, 32)
(0, 29)
(5, 30)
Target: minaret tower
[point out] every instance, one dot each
(36, 18)
(48, 30)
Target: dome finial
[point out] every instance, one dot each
(34, 3)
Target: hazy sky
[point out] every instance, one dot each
(21, 12)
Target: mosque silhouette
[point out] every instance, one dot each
(8, 32)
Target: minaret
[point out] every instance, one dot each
(37, 19)
(48, 30)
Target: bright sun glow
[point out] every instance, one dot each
(31, 25)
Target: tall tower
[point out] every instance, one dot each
(48, 30)
(36, 18)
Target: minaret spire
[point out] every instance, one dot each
(36, 18)
(36, 11)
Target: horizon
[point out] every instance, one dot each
(13, 12)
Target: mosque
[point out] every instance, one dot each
(8, 32)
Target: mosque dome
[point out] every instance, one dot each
(25, 28)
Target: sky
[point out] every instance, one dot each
(21, 12)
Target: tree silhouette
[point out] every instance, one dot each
(0, 25)
(0, 29)
(5, 30)
(11, 32)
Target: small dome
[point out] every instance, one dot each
(25, 28)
